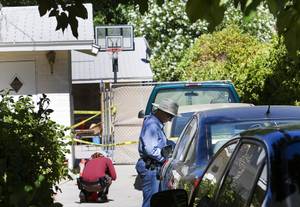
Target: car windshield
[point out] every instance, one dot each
(222, 132)
(195, 95)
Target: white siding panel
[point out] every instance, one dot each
(60, 102)
(23, 70)
(34, 71)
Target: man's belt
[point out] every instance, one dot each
(151, 163)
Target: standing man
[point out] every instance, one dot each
(152, 140)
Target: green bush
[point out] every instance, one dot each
(229, 54)
(283, 85)
(32, 152)
(261, 72)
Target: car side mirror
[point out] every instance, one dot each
(170, 198)
(141, 114)
(167, 151)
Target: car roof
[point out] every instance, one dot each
(272, 135)
(202, 107)
(191, 84)
(250, 113)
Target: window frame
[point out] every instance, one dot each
(230, 142)
(245, 140)
(187, 143)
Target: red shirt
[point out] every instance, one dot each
(97, 168)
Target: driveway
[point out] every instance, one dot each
(122, 191)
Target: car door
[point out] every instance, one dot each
(176, 168)
(203, 194)
(242, 176)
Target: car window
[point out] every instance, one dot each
(191, 152)
(185, 139)
(286, 179)
(238, 183)
(260, 189)
(195, 95)
(222, 131)
(208, 185)
(178, 124)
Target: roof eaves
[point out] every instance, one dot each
(44, 46)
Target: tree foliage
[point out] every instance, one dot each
(260, 23)
(261, 72)
(32, 152)
(286, 12)
(169, 33)
(228, 54)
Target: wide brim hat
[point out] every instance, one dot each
(168, 106)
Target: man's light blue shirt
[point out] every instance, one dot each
(152, 138)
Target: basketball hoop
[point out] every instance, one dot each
(113, 50)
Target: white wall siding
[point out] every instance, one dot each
(34, 71)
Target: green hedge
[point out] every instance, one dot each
(32, 153)
(257, 69)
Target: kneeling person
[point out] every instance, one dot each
(97, 176)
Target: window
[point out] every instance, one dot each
(212, 177)
(260, 189)
(223, 131)
(185, 139)
(195, 95)
(286, 179)
(238, 183)
(191, 152)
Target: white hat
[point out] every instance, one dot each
(167, 105)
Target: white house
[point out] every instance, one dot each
(36, 59)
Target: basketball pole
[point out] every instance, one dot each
(115, 64)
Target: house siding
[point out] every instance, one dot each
(56, 86)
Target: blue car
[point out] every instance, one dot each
(207, 131)
(260, 167)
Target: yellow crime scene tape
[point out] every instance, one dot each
(97, 113)
(86, 112)
(84, 121)
(111, 145)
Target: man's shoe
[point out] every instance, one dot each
(103, 199)
(82, 197)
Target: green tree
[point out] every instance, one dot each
(262, 72)
(229, 54)
(32, 152)
(169, 33)
(260, 24)
(287, 14)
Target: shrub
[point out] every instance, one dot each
(261, 72)
(229, 54)
(32, 152)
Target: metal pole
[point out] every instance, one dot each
(115, 65)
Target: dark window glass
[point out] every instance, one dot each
(260, 189)
(178, 124)
(238, 183)
(191, 152)
(185, 139)
(286, 178)
(212, 176)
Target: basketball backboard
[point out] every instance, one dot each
(114, 36)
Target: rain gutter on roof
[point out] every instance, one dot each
(46, 46)
(111, 79)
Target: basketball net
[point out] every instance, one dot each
(113, 50)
